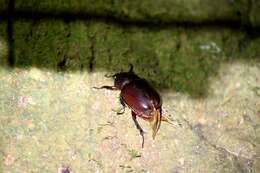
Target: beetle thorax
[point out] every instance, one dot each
(122, 79)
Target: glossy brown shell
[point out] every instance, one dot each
(141, 98)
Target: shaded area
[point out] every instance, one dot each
(165, 11)
(108, 18)
(179, 58)
(10, 33)
(177, 55)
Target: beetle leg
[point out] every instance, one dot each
(173, 122)
(138, 127)
(122, 110)
(109, 76)
(106, 87)
(119, 112)
(123, 104)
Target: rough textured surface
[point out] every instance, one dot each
(51, 119)
(53, 52)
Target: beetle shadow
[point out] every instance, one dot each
(171, 56)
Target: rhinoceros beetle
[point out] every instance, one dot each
(143, 100)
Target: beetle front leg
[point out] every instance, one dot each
(121, 110)
(106, 87)
(138, 127)
(123, 104)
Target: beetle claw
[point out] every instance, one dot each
(142, 134)
(119, 112)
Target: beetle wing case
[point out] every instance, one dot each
(140, 97)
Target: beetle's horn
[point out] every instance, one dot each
(131, 68)
(156, 123)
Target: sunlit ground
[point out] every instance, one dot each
(50, 120)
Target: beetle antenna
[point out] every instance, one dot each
(131, 67)
(173, 122)
(109, 76)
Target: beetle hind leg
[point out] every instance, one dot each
(138, 127)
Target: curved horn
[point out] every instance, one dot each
(131, 67)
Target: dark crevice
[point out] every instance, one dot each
(125, 21)
(62, 64)
(10, 33)
(198, 132)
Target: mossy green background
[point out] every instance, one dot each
(175, 58)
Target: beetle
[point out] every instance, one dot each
(143, 100)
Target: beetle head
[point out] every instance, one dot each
(123, 78)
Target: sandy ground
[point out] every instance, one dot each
(51, 120)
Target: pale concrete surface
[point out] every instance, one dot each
(50, 119)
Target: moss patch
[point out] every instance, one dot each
(174, 58)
